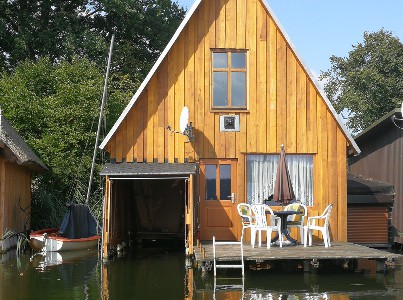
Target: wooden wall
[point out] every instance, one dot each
(284, 106)
(15, 196)
(381, 159)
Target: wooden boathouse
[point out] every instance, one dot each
(381, 160)
(17, 163)
(203, 132)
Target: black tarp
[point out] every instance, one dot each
(78, 222)
(362, 190)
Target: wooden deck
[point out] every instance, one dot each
(338, 250)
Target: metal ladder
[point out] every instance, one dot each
(228, 266)
(229, 287)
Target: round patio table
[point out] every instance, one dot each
(283, 214)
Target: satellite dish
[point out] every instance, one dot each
(185, 127)
(184, 119)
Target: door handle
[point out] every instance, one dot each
(233, 198)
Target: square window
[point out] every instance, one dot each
(220, 60)
(238, 60)
(220, 92)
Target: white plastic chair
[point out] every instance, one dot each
(297, 220)
(313, 223)
(247, 219)
(259, 211)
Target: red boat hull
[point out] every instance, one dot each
(48, 240)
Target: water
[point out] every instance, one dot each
(161, 274)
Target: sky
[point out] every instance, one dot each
(319, 29)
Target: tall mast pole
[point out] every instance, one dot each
(101, 112)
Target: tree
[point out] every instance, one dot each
(369, 82)
(63, 29)
(55, 108)
(52, 61)
(143, 28)
(32, 29)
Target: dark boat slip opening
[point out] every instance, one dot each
(148, 212)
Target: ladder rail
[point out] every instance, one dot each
(228, 266)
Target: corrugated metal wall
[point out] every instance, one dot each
(382, 159)
(367, 225)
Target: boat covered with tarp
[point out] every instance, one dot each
(77, 231)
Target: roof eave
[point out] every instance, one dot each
(150, 74)
(385, 118)
(314, 81)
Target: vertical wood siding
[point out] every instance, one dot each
(15, 196)
(284, 107)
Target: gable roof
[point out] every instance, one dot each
(15, 149)
(172, 42)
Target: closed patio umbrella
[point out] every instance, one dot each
(283, 191)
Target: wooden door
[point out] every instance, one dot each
(218, 212)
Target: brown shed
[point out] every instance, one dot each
(369, 207)
(17, 162)
(247, 90)
(381, 159)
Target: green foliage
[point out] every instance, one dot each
(58, 29)
(369, 82)
(143, 28)
(63, 29)
(52, 66)
(55, 108)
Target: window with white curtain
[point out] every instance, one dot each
(261, 176)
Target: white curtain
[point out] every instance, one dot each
(301, 173)
(261, 170)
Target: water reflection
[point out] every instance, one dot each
(69, 275)
(305, 286)
(363, 283)
(149, 274)
(162, 274)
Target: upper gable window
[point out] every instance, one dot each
(229, 79)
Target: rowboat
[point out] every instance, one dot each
(48, 240)
(78, 231)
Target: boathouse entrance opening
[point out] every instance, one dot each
(148, 205)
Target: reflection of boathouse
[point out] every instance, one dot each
(17, 163)
(247, 92)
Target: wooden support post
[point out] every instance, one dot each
(105, 284)
(190, 214)
(380, 266)
(307, 266)
(106, 219)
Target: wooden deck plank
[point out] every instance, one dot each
(338, 250)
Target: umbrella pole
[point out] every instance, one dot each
(281, 182)
(281, 191)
